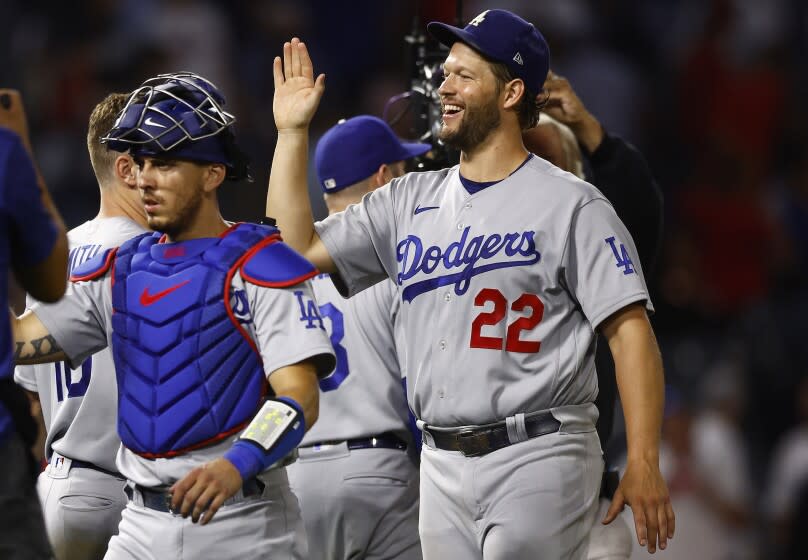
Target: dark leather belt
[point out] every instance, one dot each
(160, 500)
(479, 440)
(386, 440)
(85, 465)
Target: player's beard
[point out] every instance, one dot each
(180, 219)
(477, 123)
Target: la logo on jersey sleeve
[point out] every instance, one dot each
(621, 255)
(309, 312)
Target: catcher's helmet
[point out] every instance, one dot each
(179, 116)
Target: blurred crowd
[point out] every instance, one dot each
(711, 91)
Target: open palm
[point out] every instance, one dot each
(297, 93)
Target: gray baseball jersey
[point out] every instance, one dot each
(81, 324)
(361, 502)
(364, 396)
(80, 405)
(501, 289)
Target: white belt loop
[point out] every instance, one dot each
(426, 437)
(517, 431)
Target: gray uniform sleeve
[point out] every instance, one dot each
(25, 377)
(361, 241)
(600, 266)
(79, 321)
(288, 328)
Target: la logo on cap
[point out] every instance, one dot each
(479, 19)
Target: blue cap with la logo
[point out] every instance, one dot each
(503, 37)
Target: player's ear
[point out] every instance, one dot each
(125, 170)
(213, 176)
(382, 176)
(513, 92)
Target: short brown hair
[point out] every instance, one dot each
(529, 107)
(102, 119)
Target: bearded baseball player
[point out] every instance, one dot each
(357, 486)
(216, 370)
(81, 490)
(507, 267)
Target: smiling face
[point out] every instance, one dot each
(171, 191)
(470, 99)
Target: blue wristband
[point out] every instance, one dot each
(250, 459)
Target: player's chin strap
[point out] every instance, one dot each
(274, 432)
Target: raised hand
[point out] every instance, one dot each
(564, 105)
(297, 93)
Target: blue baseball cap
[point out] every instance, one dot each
(355, 148)
(504, 37)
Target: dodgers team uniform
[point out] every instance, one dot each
(357, 485)
(192, 371)
(81, 490)
(502, 288)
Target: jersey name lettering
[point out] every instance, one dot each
(78, 255)
(465, 253)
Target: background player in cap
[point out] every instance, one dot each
(81, 490)
(506, 268)
(357, 486)
(206, 323)
(33, 245)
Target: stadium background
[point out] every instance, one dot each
(712, 92)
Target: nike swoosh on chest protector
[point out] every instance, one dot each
(147, 299)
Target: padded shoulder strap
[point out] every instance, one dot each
(94, 267)
(273, 264)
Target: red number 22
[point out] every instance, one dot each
(512, 342)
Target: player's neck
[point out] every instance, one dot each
(115, 205)
(207, 222)
(495, 158)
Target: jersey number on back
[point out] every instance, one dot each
(76, 388)
(337, 332)
(512, 341)
(312, 315)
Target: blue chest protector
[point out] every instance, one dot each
(188, 373)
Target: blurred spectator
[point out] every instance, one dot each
(698, 529)
(788, 477)
(721, 458)
(734, 238)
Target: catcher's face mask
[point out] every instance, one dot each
(178, 116)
